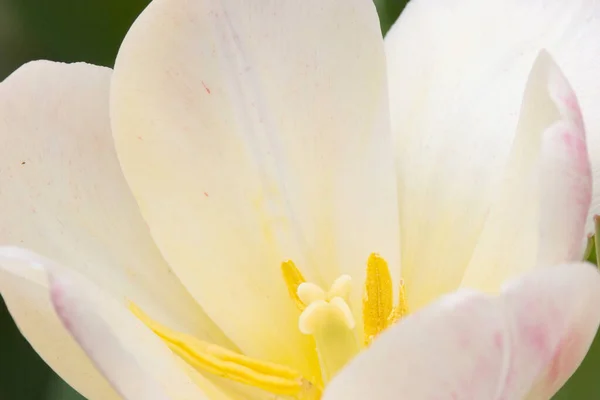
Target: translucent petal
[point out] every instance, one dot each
(457, 70)
(539, 215)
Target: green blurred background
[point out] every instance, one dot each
(91, 30)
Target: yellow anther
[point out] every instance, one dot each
(401, 310)
(206, 357)
(377, 299)
(293, 278)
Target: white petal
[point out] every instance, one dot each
(471, 346)
(96, 338)
(539, 215)
(457, 70)
(447, 350)
(28, 301)
(64, 196)
(134, 360)
(252, 133)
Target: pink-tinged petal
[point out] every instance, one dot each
(523, 343)
(566, 179)
(252, 132)
(28, 301)
(131, 357)
(63, 195)
(96, 338)
(555, 316)
(453, 349)
(539, 215)
(457, 70)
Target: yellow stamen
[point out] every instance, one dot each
(293, 278)
(206, 357)
(401, 310)
(377, 298)
(326, 316)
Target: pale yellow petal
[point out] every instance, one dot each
(252, 133)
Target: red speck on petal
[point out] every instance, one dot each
(206, 194)
(206, 87)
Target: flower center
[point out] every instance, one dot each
(325, 315)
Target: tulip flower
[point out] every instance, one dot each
(263, 200)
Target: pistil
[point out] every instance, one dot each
(327, 317)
